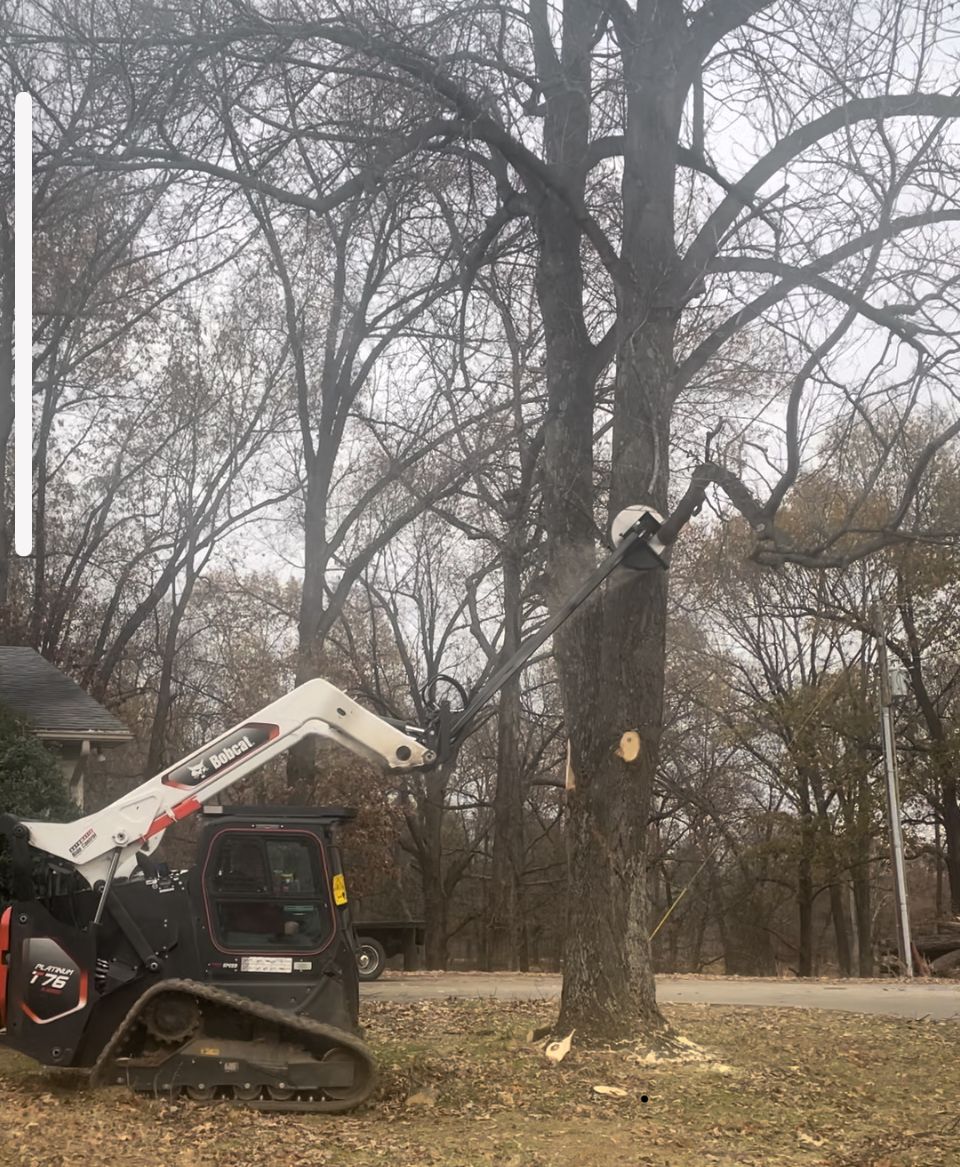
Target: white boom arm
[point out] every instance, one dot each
(109, 839)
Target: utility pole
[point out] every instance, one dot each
(893, 798)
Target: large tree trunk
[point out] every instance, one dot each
(611, 662)
(805, 960)
(611, 655)
(506, 906)
(435, 897)
(157, 752)
(951, 833)
(301, 759)
(862, 898)
(841, 929)
(435, 921)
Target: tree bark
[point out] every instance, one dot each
(435, 922)
(841, 929)
(862, 899)
(941, 759)
(157, 751)
(301, 759)
(951, 833)
(435, 899)
(506, 901)
(611, 654)
(838, 913)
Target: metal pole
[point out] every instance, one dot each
(893, 800)
(107, 884)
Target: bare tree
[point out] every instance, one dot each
(499, 507)
(915, 588)
(415, 637)
(596, 120)
(371, 463)
(186, 469)
(109, 260)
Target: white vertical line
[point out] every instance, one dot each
(23, 325)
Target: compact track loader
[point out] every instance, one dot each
(238, 978)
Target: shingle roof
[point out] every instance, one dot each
(48, 700)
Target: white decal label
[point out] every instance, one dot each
(303, 965)
(268, 964)
(84, 841)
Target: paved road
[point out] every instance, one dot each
(940, 1002)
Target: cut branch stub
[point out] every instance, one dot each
(629, 747)
(569, 778)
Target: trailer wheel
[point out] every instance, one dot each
(371, 958)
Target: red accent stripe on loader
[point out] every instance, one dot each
(4, 967)
(171, 816)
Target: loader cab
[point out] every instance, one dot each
(261, 915)
(269, 904)
(269, 881)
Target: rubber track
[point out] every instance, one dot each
(306, 1027)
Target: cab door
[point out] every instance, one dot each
(267, 893)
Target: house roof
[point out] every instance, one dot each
(51, 703)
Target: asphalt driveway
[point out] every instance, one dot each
(940, 1002)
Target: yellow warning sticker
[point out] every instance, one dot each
(339, 890)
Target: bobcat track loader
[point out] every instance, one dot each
(238, 978)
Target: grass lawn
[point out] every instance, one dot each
(460, 1087)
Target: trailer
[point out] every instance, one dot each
(935, 953)
(378, 940)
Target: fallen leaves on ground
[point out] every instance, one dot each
(460, 1087)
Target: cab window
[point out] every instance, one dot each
(268, 892)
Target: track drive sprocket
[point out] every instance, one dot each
(171, 1018)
